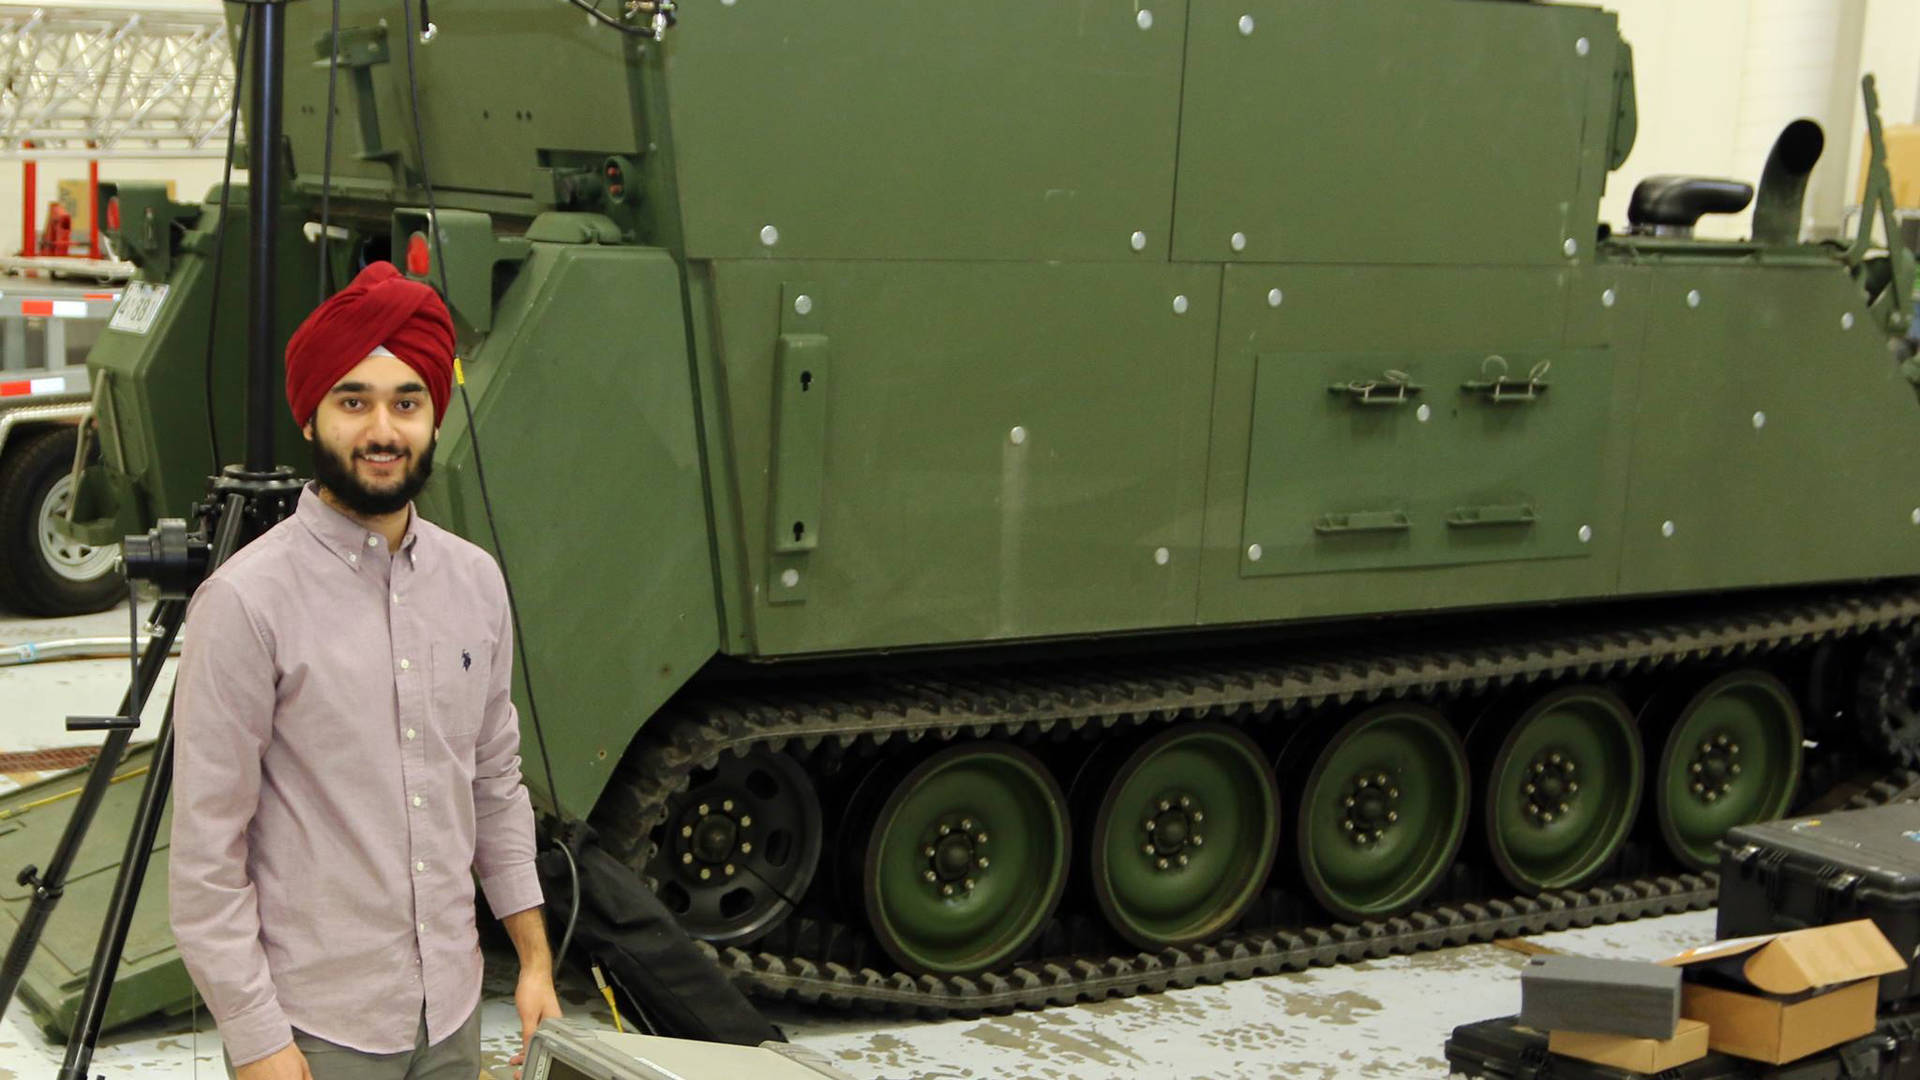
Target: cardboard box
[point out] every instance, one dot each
(1780, 997)
(1689, 1043)
(1903, 164)
(1600, 997)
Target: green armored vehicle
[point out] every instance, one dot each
(1017, 503)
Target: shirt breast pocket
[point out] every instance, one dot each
(461, 674)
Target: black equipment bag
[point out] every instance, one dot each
(657, 972)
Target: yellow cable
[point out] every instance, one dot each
(51, 799)
(607, 992)
(459, 373)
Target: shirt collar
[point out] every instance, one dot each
(345, 537)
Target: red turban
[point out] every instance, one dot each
(380, 308)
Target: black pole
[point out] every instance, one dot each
(263, 205)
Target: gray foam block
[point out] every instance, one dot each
(1608, 997)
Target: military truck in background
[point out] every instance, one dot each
(1010, 504)
(45, 331)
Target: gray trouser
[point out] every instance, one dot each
(456, 1057)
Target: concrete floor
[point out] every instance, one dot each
(1379, 1019)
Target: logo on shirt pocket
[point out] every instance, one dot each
(460, 678)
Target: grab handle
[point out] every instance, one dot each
(1365, 521)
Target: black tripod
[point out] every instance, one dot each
(244, 502)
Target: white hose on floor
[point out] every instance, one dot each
(92, 648)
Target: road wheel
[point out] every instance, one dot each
(1730, 757)
(1383, 811)
(1561, 791)
(965, 859)
(739, 849)
(41, 572)
(1184, 835)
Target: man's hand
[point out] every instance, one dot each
(286, 1063)
(535, 1000)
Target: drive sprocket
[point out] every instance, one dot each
(1889, 695)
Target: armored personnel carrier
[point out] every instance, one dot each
(1013, 503)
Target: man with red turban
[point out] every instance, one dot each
(348, 754)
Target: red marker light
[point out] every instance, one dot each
(419, 260)
(113, 212)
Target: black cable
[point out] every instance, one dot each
(220, 225)
(324, 279)
(479, 471)
(604, 19)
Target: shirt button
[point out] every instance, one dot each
(423, 928)
(418, 801)
(396, 598)
(352, 558)
(373, 541)
(405, 664)
(409, 734)
(421, 867)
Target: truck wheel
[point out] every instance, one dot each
(41, 572)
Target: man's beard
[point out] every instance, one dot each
(335, 474)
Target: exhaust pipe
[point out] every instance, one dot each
(1783, 187)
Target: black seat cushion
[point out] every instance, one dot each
(1680, 200)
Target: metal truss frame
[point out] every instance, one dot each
(113, 81)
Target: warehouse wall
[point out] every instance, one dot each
(1718, 79)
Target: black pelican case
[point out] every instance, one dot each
(1829, 868)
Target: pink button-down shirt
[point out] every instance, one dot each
(347, 759)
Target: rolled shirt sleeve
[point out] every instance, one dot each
(223, 720)
(503, 849)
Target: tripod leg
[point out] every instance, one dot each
(126, 894)
(48, 886)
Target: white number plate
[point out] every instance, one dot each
(139, 304)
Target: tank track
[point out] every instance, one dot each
(695, 733)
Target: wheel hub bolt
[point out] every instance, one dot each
(1182, 860)
(1714, 767)
(1199, 816)
(727, 869)
(954, 853)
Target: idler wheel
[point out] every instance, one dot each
(1730, 757)
(738, 848)
(965, 859)
(1184, 835)
(1560, 792)
(1382, 811)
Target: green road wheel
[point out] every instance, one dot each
(1560, 795)
(738, 848)
(966, 859)
(1731, 757)
(1383, 811)
(1184, 836)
